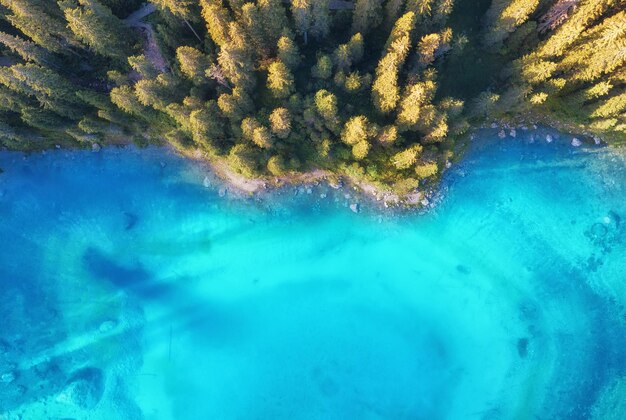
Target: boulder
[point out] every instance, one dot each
(8, 377)
(107, 326)
(84, 388)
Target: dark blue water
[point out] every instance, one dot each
(132, 291)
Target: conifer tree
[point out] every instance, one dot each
(326, 104)
(252, 21)
(367, 15)
(406, 158)
(237, 66)
(27, 50)
(236, 105)
(280, 80)
(274, 19)
(262, 137)
(187, 10)
(421, 8)
(288, 52)
(280, 121)
(323, 69)
(302, 13)
(42, 21)
(95, 25)
(217, 20)
(504, 16)
(193, 63)
(393, 9)
(320, 27)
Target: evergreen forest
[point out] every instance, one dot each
(378, 90)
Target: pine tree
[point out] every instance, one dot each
(42, 21)
(320, 27)
(280, 121)
(27, 50)
(280, 80)
(193, 63)
(236, 105)
(426, 169)
(421, 8)
(276, 165)
(326, 105)
(187, 10)
(406, 158)
(323, 69)
(367, 15)
(237, 66)
(207, 128)
(302, 13)
(143, 66)
(360, 150)
(356, 129)
(393, 8)
(274, 19)
(217, 20)
(288, 52)
(251, 19)
(504, 16)
(262, 137)
(385, 90)
(95, 25)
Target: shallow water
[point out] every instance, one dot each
(130, 290)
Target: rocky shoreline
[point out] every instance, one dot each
(356, 192)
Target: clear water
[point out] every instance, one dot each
(130, 290)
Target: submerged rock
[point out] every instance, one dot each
(95, 147)
(576, 142)
(355, 207)
(8, 377)
(206, 182)
(502, 134)
(107, 326)
(84, 389)
(549, 138)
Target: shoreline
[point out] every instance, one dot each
(359, 191)
(363, 192)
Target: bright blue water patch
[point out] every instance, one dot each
(129, 291)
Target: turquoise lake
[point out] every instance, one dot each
(131, 289)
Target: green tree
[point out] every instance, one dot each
(274, 19)
(323, 69)
(193, 63)
(504, 16)
(42, 21)
(252, 21)
(95, 25)
(280, 120)
(302, 13)
(326, 105)
(406, 158)
(367, 15)
(27, 50)
(217, 20)
(280, 80)
(288, 52)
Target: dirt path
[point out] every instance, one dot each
(151, 48)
